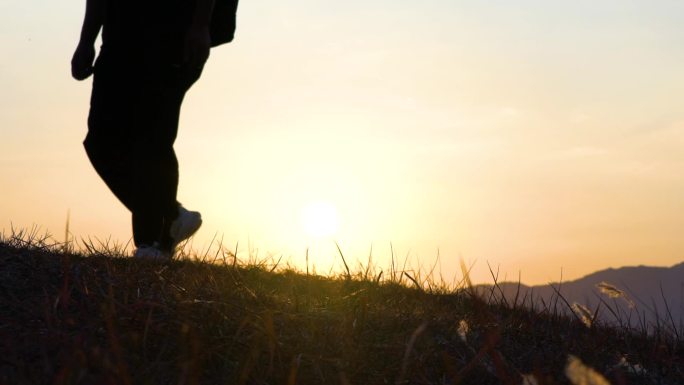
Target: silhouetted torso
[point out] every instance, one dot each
(145, 31)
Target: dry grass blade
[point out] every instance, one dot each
(415, 282)
(580, 374)
(407, 353)
(565, 301)
(584, 313)
(463, 330)
(466, 273)
(346, 267)
(67, 239)
(669, 313)
(529, 379)
(613, 292)
(610, 290)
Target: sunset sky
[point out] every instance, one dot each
(536, 136)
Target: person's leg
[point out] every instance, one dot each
(130, 138)
(132, 126)
(107, 143)
(156, 166)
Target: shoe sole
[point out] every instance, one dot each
(158, 256)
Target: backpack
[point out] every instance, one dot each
(222, 27)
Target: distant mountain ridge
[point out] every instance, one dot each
(652, 295)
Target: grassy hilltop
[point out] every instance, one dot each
(99, 318)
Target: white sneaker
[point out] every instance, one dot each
(184, 226)
(152, 253)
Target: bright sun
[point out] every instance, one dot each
(320, 219)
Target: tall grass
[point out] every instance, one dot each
(87, 314)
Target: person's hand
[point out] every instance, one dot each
(197, 46)
(82, 62)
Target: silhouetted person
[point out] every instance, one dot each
(152, 52)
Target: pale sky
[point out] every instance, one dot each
(531, 135)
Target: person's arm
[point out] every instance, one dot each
(198, 39)
(82, 61)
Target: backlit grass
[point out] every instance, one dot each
(95, 316)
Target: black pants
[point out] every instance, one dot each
(132, 126)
